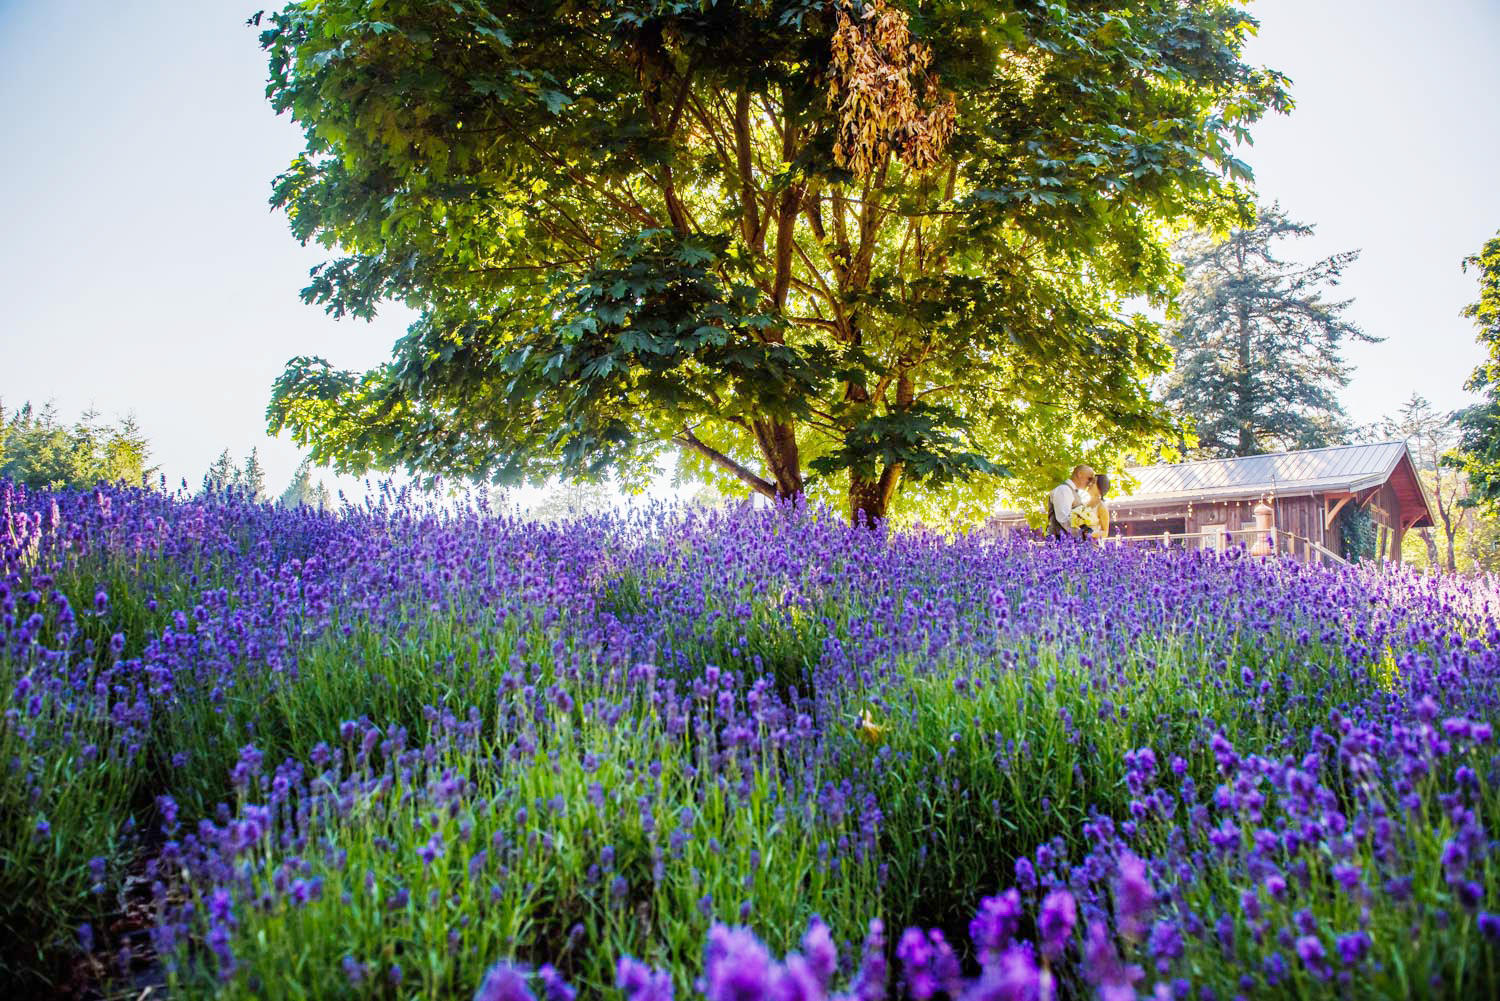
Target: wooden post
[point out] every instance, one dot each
(1265, 529)
(1331, 513)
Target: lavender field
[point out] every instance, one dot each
(416, 752)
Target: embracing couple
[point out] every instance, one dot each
(1076, 506)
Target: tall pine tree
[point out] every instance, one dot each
(303, 490)
(251, 477)
(37, 449)
(1259, 343)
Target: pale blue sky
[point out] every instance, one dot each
(141, 270)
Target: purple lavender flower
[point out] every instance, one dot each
(1275, 968)
(1055, 922)
(1103, 969)
(821, 953)
(1012, 976)
(555, 987)
(870, 984)
(928, 964)
(1310, 950)
(504, 982)
(640, 982)
(1025, 874)
(1133, 897)
(996, 921)
(737, 966)
(1353, 947)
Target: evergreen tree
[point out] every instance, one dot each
(123, 451)
(251, 477)
(303, 490)
(221, 474)
(1258, 343)
(38, 450)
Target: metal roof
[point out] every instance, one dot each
(1345, 468)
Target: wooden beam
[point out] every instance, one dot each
(1328, 515)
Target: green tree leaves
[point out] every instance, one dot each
(1479, 448)
(628, 232)
(38, 450)
(1258, 342)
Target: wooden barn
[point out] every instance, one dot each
(1212, 502)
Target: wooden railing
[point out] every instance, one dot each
(1224, 539)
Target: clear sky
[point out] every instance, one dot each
(142, 271)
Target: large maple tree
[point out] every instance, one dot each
(846, 247)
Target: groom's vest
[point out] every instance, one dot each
(1053, 526)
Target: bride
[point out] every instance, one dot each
(1092, 517)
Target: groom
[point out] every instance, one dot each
(1064, 498)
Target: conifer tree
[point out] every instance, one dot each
(1259, 342)
(221, 474)
(37, 449)
(303, 490)
(252, 476)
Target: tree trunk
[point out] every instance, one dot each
(1446, 514)
(864, 501)
(870, 499)
(778, 445)
(1245, 402)
(1433, 559)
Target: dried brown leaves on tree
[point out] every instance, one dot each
(884, 91)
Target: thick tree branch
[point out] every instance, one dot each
(750, 224)
(756, 483)
(786, 222)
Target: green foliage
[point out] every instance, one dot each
(252, 476)
(1258, 343)
(82, 785)
(37, 450)
(249, 478)
(221, 474)
(1358, 533)
(629, 230)
(1480, 446)
(1415, 952)
(303, 490)
(1432, 438)
(382, 902)
(960, 819)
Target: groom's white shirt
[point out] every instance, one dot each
(1064, 498)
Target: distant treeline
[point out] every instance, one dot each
(39, 450)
